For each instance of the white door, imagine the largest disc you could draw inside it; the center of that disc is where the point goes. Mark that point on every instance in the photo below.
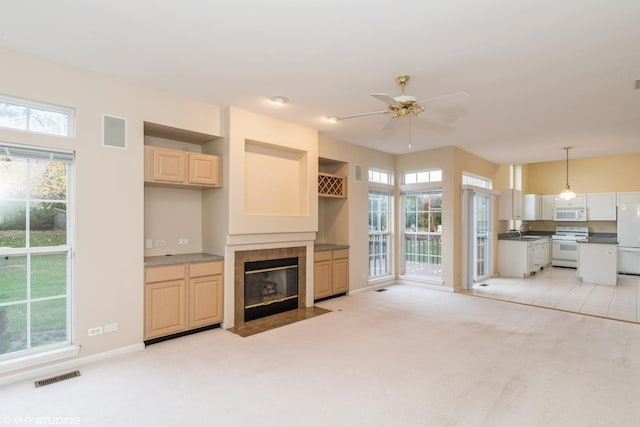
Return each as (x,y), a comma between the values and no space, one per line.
(477,237)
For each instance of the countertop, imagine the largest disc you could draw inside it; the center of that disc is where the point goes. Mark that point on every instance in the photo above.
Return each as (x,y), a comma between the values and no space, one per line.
(321,247)
(600,240)
(526,237)
(150,261)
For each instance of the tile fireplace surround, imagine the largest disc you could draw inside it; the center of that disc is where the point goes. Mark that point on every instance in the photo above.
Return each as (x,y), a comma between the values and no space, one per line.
(267,254)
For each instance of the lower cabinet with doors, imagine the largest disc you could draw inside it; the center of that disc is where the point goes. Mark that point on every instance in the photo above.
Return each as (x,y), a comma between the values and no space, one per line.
(331,273)
(180,298)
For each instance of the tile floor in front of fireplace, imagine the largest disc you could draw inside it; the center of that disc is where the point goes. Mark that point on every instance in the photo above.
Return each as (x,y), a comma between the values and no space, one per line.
(560,289)
(277,320)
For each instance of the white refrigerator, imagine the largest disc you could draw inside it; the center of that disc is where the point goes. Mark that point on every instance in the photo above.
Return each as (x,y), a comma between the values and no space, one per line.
(629,239)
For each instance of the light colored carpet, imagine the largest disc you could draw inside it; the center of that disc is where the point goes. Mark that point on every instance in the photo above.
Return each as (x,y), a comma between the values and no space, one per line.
(406,357)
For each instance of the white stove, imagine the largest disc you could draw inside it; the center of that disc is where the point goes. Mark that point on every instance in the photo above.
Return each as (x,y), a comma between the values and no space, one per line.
(564,248)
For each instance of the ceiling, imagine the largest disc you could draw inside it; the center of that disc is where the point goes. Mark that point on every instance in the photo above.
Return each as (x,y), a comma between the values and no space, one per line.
(541,74)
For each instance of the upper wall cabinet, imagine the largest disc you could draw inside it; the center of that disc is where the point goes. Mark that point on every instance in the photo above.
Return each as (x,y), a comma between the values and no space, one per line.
(629,198)
(175,168)
(510,204)
(601,206)
(330,185)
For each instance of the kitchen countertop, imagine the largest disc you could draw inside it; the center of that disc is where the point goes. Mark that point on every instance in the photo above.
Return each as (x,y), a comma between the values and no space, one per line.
(321,247)
(150,261)
(526,237)
(599,240)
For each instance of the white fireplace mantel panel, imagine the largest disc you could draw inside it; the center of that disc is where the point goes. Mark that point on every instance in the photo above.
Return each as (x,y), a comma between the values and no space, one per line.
(270,160)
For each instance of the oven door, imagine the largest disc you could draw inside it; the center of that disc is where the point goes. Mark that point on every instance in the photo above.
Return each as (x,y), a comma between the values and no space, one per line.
(564,253)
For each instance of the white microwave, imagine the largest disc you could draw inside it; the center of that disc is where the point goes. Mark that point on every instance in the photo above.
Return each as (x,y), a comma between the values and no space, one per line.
(570,214)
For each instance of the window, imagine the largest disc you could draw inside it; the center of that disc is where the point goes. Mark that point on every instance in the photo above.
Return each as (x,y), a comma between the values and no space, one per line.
(380,202)
(476,180)
(420,177)
(422,234)
(380,176)
(35,250)
(36,117)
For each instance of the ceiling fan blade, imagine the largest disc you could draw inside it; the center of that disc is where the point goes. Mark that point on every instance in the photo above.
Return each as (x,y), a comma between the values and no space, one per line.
(438,116)
(361,115)
(389,125)
(451,97)
(384,98)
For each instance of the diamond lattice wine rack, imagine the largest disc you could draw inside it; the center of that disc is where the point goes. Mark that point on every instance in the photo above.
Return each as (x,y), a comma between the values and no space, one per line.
(330,185)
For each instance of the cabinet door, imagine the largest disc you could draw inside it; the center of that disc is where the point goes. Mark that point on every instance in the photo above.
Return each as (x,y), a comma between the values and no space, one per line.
(203,169)
(546,208)
(169,165)
(531,207)
(322,279)
(510,204)
(629,198)
(340,275)
(205,301)
(601,206)
(165,308)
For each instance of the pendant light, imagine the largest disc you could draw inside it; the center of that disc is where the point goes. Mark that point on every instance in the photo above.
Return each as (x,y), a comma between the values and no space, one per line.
(567,193)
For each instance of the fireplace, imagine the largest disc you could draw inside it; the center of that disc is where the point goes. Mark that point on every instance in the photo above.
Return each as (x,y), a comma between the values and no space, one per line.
(270,287)
(269,281)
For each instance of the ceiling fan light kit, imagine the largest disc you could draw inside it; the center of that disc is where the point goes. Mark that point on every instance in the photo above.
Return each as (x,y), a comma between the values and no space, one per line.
(279,100)
(405,105)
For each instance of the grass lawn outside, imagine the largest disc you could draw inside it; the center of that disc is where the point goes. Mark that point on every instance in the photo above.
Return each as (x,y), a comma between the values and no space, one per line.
(48,309)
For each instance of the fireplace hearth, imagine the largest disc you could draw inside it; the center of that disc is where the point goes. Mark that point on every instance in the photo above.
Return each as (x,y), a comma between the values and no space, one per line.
(270,287)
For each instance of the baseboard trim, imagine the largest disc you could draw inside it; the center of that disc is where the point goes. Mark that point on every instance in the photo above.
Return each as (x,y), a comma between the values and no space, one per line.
(56,368)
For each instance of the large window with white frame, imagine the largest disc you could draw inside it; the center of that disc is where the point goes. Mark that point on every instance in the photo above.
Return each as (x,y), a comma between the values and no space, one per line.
(380,243)
(422,176)
(380,176)
(422,234)
(35,250)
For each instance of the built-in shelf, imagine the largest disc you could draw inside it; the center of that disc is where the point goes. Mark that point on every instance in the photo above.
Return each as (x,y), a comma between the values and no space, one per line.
(330,185)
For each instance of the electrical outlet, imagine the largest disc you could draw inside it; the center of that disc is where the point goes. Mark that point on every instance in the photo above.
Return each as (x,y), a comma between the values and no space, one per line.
(95,331)
(183,241)
(160,243)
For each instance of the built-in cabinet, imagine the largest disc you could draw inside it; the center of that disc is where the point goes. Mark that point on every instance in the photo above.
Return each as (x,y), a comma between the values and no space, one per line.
(182,297)
(629,198)
(516,258)
(578,202)
(601,206)
(330,185)
(180,168)
(510,204)
(331,273)
(531,207)
(541,253)
(546,207)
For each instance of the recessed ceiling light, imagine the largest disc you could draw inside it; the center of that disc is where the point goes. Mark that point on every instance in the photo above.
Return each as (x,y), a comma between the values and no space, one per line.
(279,100)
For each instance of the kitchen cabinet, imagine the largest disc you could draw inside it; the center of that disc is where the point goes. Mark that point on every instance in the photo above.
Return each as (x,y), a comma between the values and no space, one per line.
(516,258)
(629,198)
(601,206)
(331,273)
(546,207)
(598,263)
(541,253)
(182,297)
(510,204)
(531,207)
(578,202)
(168,167)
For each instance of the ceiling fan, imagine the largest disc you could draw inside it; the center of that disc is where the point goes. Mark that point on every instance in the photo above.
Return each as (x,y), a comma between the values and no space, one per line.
(407,105)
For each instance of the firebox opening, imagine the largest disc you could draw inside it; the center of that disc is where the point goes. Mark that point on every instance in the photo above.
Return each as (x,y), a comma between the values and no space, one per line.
(270,287)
